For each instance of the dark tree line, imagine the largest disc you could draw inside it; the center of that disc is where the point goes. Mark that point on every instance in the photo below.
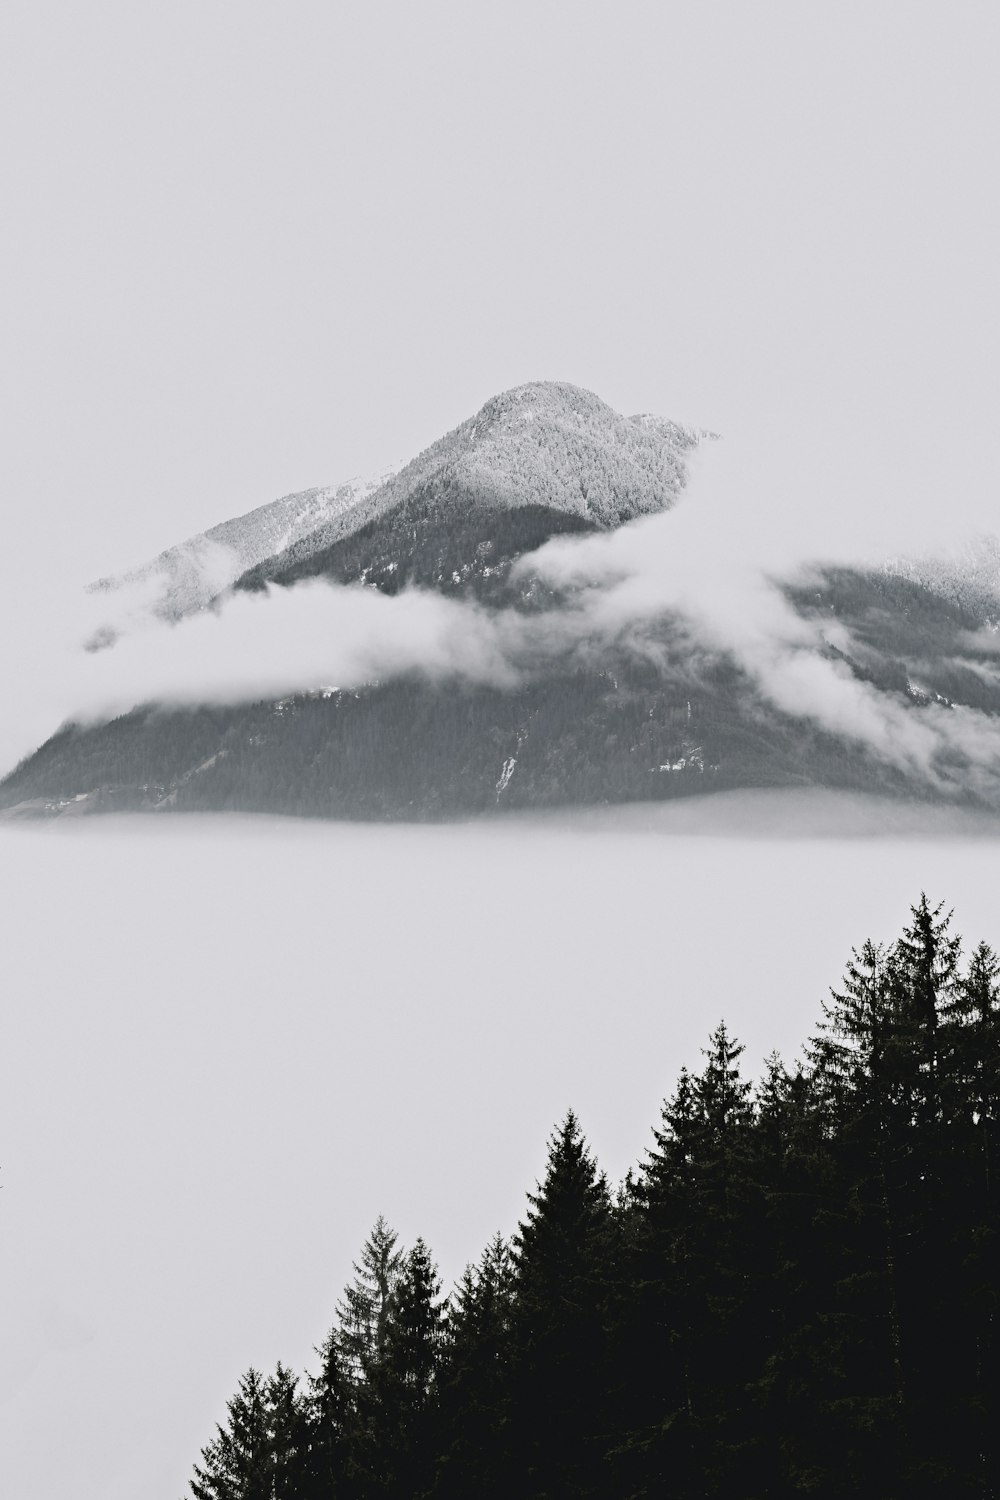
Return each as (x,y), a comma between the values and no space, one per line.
(795,1294)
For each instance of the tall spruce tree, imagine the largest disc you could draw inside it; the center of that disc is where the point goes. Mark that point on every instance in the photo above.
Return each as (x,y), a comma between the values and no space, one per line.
(260,1453)
(354,1366)
(964,1233)
(476,1381)
(363,1311)
(330,1412)
(697,1264)
(798,1382)
(974,1064)
(557,1422)
(862,1073)
(290,1435)
(925,971)
(405,1418)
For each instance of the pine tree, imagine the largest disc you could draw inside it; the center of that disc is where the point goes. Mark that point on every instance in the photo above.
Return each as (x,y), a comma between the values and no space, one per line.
(330,1416)
(236,1463)
(847,1054)
(973,1040)
(651,1302)
(415,1329)
(260,1452)
(965,1234)
(925,971)
(559,1344)
(363,1312)
(862,1074)
(347,1398)
(801,1244)
(289,1436)
(698,1244)
(476,1381)
(405,1418)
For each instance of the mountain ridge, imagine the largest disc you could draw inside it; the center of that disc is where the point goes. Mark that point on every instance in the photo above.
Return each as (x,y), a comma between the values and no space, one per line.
(544,445)
(190,574)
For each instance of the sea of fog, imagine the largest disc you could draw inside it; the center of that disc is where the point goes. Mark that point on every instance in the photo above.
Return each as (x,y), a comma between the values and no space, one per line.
(229,1044)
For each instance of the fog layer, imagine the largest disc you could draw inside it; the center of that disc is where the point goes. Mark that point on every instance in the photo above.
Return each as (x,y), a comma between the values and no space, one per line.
(231,1044)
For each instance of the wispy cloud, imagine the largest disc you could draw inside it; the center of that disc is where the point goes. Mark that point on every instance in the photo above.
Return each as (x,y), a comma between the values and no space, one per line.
(718,563)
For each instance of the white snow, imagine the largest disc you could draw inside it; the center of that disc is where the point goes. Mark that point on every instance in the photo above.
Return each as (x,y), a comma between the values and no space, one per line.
(505,775)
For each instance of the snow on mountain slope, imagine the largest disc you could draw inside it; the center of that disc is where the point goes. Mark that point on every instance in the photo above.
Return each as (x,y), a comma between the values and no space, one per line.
(185,577)
(968,577)
(546,444)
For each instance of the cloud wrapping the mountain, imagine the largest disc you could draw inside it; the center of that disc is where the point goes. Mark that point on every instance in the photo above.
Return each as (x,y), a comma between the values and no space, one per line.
(285,641)
(719,565)
(712,564)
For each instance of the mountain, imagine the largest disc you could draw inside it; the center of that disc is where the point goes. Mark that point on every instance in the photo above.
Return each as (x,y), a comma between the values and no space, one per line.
(534,461)
(540,460)
(624,721)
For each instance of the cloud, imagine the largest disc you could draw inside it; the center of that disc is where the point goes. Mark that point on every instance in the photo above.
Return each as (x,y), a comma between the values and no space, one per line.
(719,561)
(282,641)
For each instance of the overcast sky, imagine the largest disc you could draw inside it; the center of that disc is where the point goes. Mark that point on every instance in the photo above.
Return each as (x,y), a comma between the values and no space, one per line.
(251,248)
(254,247)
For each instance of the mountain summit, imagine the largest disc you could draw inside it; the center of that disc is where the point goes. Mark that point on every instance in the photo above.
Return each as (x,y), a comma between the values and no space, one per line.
(537,460)
(557,454)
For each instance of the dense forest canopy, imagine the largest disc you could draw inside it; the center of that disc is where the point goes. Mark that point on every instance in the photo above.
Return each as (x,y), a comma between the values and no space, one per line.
(794,1293)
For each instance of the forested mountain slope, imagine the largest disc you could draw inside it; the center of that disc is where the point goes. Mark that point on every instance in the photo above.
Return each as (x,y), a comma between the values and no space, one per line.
(548,447)
(621,727)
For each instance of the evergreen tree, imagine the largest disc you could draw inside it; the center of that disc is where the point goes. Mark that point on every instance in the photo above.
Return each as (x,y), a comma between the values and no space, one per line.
(847,1054)
(330,1415)
(363,1312)
(801,1241)
(974,1063)
(415,1330)
(970,1225)
(404,1420)
(925,972)
(289,1436)
(350,1393)
(260,1452)
(476,1380)
(863,1073)
(559,1343)
(696,1271)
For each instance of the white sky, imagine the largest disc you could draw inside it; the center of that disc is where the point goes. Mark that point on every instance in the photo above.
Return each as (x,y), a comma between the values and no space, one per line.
(254,247)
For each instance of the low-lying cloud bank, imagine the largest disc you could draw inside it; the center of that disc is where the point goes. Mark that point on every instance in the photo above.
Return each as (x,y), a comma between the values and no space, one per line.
(711,564)
(293,640)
